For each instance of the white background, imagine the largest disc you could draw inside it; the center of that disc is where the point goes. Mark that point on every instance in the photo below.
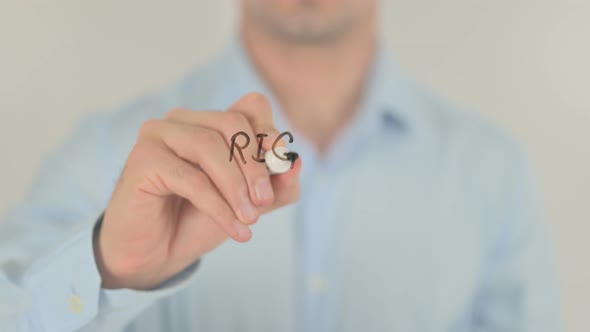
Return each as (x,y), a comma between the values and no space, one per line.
(524,63)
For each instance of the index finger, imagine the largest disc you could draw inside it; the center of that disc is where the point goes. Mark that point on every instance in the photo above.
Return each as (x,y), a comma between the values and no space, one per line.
(258,110)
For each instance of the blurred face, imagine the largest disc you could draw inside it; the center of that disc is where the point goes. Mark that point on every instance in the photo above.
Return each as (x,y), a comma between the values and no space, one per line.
(309,21)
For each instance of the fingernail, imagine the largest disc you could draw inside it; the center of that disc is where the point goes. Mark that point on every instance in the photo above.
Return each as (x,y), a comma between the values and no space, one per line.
(248,210)
(242,230)
(263,190)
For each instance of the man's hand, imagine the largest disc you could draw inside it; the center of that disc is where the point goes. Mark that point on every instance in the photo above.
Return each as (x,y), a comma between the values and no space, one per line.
(179,196)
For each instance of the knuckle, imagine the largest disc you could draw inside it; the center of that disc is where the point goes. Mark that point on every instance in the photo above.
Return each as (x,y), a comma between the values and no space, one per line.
(149,126)
(143,149)
(256,99)
(175,113)
(198,181)
(218,209)
(142,152)
(256,103)
(179,171)
(223,214)
(207,137)
(234,121)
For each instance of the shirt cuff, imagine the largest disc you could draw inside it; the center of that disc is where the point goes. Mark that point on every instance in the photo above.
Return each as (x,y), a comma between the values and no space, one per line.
(114,299)
(66,285)
(65,282)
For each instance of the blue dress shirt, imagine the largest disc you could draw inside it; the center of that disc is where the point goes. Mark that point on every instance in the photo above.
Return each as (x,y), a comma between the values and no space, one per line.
(420,218)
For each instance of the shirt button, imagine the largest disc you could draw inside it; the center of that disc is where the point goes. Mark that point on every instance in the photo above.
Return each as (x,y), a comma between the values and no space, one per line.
(76,304)
(318,284)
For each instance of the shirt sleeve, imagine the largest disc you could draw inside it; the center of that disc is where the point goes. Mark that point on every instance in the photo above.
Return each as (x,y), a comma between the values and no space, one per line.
(48,275)
(519,291)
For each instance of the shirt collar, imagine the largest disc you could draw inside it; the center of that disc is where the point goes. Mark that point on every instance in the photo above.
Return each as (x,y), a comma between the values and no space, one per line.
(386,101)
(388,93)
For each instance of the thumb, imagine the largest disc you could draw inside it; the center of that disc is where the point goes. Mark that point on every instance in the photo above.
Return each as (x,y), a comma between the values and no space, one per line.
(287,186)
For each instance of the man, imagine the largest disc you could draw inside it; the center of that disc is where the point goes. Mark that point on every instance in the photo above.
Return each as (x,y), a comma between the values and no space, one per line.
(409,215)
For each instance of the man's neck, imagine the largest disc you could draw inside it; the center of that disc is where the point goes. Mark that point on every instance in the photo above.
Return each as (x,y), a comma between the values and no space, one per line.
(319,86)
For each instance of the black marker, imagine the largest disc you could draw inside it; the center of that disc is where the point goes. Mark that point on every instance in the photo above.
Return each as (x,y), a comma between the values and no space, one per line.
(280,160)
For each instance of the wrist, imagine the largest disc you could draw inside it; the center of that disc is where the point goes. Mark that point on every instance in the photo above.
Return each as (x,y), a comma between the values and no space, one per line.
(107,280)
(116,276)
